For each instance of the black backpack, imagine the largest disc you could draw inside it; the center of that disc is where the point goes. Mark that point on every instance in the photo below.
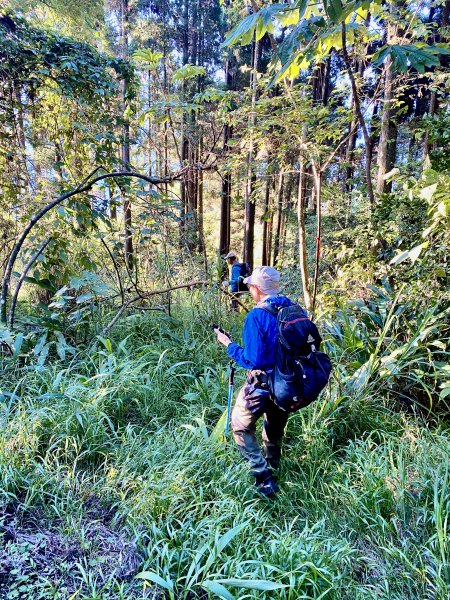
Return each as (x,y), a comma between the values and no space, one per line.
(301,371)
(245,271)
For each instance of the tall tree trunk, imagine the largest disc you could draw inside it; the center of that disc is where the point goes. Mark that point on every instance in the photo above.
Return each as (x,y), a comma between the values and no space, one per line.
(318,188)
(184,185)
(225,197)
(201,233)
(126,204)
(265,250)
(280,195)
(270,228)
(166,121)
(289,187)
(351,142)
(362,122)
(150,126)
(426,142)
(388,131)
(303,254)
(249,225)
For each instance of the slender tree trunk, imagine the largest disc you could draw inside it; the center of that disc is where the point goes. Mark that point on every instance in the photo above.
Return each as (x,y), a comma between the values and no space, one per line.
(351,142)
(286,214)
(21,133)
(201,233)
(166,122)
(270,228)
(186,201)
(362,122)
(326,81)
(225,198)
(126,204)
(318,187)
(426,142)
(310,192)
(388,131)
(249,225)
(280,194)
(349,153)
(303,254)
(265,253)
(149,125)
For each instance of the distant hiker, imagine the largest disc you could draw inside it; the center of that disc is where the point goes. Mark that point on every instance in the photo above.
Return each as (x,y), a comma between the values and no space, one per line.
(239,271)
(254,399)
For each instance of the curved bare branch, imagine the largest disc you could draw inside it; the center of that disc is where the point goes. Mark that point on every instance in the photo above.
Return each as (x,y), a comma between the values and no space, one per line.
(85,186)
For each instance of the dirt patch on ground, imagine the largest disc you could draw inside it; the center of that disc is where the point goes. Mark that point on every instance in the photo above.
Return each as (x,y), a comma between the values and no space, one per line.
(35,555)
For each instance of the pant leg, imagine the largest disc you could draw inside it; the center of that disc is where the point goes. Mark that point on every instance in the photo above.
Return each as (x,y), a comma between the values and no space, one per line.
(233,304)
(274,426)
(243,424)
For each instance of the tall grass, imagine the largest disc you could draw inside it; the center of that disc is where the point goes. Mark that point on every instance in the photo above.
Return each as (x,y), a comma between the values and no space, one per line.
(128,424)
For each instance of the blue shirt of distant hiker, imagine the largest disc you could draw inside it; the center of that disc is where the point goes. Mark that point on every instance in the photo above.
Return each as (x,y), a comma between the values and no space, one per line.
(259,337)
(234,278)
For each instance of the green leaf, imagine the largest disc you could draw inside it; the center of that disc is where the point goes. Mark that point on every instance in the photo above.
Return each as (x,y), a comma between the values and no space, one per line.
(155,578)
(253,584)
(149,56)
(84,297)
(187,72)
(217,589)
(40,344)
(445,392)
(442,209)
(400,258)
(415,252)
(227,537)
(289,17)
(18,343)
(428,192)
(243,31)
(42,283)
(416,56)
(43,354)
(412,254)
(334,10)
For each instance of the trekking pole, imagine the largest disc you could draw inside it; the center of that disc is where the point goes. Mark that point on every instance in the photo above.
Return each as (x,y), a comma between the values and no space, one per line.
(230,396)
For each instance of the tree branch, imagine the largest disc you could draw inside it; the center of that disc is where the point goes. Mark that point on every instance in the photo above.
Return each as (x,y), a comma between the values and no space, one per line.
(147,295)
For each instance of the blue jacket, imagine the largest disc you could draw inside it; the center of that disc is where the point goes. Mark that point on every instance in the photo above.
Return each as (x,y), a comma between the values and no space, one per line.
(235,274)
(259,337)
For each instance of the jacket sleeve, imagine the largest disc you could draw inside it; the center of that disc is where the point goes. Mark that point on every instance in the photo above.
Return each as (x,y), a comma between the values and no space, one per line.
(252,354)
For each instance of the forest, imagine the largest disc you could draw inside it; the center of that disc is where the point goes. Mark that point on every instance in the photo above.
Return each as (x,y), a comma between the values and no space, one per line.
(141,141)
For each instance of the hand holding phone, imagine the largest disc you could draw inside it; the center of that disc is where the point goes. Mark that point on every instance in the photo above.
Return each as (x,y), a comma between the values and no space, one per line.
(222,336)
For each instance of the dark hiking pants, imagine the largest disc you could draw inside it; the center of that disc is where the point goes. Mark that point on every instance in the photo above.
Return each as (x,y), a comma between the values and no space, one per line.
(254,401)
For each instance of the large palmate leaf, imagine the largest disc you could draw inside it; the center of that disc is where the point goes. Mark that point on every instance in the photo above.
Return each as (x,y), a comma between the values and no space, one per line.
(151,57)
(187,72)
(263,21)
(415,56)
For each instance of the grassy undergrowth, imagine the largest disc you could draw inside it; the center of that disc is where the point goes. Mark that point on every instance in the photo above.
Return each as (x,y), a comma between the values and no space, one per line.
(109,468)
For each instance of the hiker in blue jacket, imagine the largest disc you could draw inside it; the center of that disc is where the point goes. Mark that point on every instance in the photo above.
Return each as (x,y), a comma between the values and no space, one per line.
(239,270)
(257,355)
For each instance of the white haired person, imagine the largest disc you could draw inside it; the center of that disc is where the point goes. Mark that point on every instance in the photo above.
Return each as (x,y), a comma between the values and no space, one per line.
(254,400)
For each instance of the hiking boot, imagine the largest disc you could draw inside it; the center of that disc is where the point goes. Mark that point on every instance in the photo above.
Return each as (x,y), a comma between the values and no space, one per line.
(266,484)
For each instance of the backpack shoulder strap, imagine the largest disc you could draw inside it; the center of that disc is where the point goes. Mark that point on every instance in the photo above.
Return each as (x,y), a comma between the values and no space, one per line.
(269,308)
